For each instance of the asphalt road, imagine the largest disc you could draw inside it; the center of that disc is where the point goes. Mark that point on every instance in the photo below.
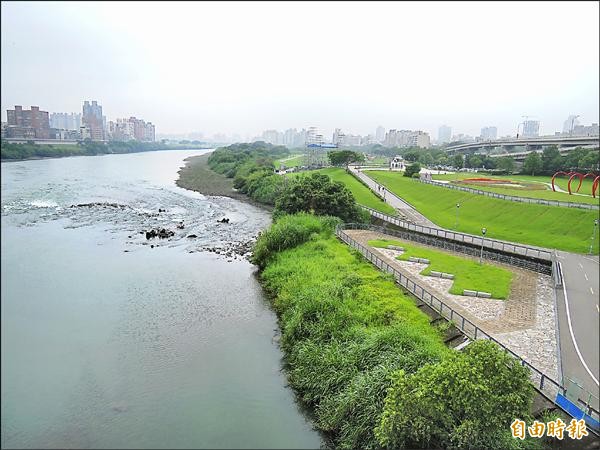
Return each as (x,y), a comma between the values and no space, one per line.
(579,346)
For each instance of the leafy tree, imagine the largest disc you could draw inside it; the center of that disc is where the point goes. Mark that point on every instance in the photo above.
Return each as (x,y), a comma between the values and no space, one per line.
(551,159)
(412,169)
(458,161)
(467,401)
(476,161)
(317,194)
(426,159)
(412,155)
(344,157)
(591,161)
(533,163)
(506,163)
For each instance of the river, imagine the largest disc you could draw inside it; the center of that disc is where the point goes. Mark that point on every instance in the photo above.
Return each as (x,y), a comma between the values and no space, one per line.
(110,343)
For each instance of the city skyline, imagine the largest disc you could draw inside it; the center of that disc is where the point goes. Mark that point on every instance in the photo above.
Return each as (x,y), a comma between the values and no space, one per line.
(189,81)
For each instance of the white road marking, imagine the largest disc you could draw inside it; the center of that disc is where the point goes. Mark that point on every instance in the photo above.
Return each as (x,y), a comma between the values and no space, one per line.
(592,259)
(592,291)
(580,265)
(572,334)
(598,309)
(585,275)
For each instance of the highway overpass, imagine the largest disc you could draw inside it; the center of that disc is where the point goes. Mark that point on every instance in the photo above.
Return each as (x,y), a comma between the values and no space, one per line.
(533,143)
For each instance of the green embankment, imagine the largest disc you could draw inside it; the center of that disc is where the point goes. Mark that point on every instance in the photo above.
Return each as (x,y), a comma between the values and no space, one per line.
(468,274)
(544,192)
(566,229)
(292,161)
(350,337)
(345,328)
(363,195)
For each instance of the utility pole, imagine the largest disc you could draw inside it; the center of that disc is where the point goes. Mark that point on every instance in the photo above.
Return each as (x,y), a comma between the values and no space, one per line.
(593,235)
(483,231)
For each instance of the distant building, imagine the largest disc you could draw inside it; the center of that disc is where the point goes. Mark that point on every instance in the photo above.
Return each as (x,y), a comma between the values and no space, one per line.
(65,121)
(582,130)
(407,138)
(22,123)
(489,133)
(131,129)
(93,120)
(531,128)
(338,137)
(380,134)
(444,134)
(570,124)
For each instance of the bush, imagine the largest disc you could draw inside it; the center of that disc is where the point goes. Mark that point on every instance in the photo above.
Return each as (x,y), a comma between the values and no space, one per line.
(317,194)
(288,232)
(467,401)
(414,168)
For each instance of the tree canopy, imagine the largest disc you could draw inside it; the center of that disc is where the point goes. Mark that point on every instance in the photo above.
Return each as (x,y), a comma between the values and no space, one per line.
(318,194)
(344,157)
(533,163)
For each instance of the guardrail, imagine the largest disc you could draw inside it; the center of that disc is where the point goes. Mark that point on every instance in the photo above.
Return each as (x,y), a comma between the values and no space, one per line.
(488,243)
(511,198)
(544,384)
(518,261)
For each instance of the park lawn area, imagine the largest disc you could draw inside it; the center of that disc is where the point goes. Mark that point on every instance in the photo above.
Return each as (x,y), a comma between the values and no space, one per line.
(363,195)
(546,194)
(566,229)
(291,161)
(468,274)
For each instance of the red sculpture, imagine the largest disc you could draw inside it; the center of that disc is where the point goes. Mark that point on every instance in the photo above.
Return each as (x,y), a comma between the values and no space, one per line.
(581,177)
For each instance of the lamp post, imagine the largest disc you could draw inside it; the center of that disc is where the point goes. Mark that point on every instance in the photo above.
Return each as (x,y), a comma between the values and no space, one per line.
(456,224)
(593,235)
(483,231)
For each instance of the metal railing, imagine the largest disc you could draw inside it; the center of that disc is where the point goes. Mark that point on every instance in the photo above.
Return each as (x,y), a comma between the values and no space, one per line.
(544,384)
(493,244)
(512,198)
(492,255)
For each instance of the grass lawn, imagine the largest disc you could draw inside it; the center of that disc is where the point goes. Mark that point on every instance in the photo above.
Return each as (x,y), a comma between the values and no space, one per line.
(363,195)
(290,161)
(545,226)
(468,274)
(546,193)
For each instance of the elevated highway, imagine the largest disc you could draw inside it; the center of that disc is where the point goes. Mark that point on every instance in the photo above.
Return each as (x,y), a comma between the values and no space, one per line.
(533,143)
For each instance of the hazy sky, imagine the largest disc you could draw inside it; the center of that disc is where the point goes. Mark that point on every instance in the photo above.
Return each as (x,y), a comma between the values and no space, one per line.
(245,67)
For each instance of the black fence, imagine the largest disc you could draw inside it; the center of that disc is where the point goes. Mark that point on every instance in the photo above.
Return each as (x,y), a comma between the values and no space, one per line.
(512,198)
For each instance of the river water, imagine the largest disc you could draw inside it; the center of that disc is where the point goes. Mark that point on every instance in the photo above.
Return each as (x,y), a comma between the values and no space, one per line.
(109,343)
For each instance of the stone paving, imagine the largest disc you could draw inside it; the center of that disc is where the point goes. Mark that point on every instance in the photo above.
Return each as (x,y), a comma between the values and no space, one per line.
(524,322)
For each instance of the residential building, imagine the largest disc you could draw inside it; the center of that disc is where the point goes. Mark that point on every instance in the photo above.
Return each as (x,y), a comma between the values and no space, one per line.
(582,130)
(531,128)
(407,138)
(444,134)
(93,120)
(22,123)
(65,121)
(489,133)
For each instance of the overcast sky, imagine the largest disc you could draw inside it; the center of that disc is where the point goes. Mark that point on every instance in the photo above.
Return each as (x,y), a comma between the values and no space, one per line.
(246,67)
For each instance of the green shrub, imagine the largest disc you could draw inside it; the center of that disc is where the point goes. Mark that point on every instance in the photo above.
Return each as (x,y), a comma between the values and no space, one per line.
(288,232)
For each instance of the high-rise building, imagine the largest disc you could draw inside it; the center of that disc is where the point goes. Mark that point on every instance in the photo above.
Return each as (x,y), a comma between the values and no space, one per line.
(582,130)
(489,133)
(131,129)
(444,134)
(65,121)
(22,123)
(531,128)
(93,120)
(570,124)
(338,137)
(407,138)
(380,134)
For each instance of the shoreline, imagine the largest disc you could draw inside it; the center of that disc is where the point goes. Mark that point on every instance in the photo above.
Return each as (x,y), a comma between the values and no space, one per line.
(197,176)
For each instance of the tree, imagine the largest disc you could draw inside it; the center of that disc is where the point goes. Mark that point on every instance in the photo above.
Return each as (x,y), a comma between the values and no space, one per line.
(591,161)
(458,161)
(466,401)
(344,157)
(317,194)
(426,159)
(411,155)
(506,163)
(533,163)
(412,169)
(476,161)
(551,159)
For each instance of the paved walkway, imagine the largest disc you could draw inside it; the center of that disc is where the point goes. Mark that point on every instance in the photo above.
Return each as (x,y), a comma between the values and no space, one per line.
(525,322)
(405,210)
